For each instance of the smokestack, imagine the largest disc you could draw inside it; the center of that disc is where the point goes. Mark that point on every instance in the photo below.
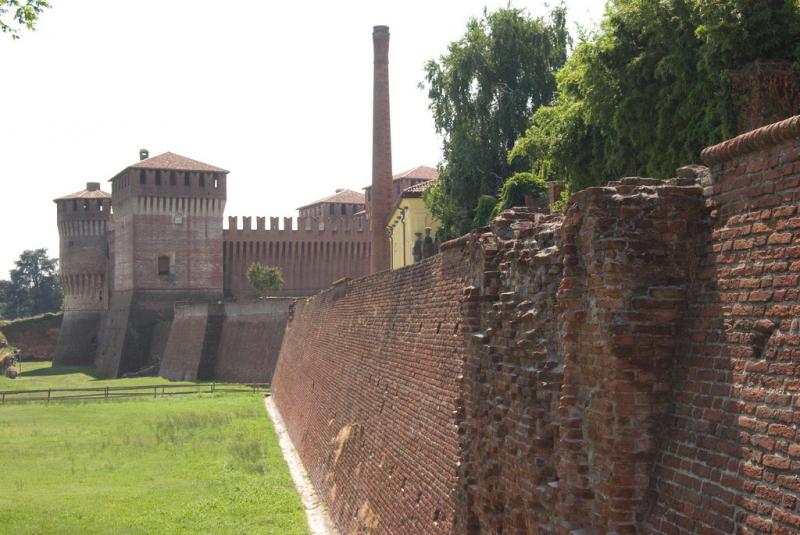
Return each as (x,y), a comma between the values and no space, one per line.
(381,152)
(144,154)
(92,186)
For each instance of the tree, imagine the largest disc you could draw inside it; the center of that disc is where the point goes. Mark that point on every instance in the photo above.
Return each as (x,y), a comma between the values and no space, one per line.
(653,87)
(17,14)
(482,94)
(34,287)
(264,279)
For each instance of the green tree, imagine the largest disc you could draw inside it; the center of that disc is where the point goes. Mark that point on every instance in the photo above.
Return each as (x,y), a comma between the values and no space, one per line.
(482,93)
(652,87)
(17,14)
(33,288)
(264,279)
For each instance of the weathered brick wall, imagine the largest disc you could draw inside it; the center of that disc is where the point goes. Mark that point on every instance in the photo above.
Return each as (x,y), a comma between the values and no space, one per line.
(34,337)
(367,382)
(251,339)
(731,451)
(184,350)
(310,259)
(234,342)
(628,368)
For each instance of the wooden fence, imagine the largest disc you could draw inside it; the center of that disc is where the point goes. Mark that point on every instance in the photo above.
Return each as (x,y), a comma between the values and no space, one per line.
(117,392)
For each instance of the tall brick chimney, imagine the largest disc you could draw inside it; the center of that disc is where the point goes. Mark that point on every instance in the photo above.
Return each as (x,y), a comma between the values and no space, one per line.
(381,200)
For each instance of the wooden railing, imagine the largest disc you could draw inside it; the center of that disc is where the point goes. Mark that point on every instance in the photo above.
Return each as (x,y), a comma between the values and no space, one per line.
(117,392)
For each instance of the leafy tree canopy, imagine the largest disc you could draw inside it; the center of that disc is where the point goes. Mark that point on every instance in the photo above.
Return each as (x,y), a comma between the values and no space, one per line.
(17,14)
(264,279)
(652,87)
(482,93)
(34,287)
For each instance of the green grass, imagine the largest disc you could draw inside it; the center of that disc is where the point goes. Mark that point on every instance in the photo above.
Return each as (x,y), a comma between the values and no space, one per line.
(43,375)
(189,464)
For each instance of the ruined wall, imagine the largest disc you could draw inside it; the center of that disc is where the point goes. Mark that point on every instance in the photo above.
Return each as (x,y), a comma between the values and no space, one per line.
(730,454)
(628,367)
(367,382)
(311,256)
(34,337)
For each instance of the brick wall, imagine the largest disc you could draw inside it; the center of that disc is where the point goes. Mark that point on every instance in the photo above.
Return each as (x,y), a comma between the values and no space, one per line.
(368,381)
(250,340)
(628,367)
(234,342)
(35,337)
(310,257)
(731,450)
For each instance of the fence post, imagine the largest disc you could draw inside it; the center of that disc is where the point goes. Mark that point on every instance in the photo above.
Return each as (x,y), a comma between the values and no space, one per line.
(4,397)
(48,395)
(213,387)
(155,392)
(106,393)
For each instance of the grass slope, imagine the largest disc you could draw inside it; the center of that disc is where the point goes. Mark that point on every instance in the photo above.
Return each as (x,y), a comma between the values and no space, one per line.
(194,464)
(43,375)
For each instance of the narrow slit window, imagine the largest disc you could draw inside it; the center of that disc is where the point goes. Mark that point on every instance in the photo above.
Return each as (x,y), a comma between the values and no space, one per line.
(158,178)
(142,176)
(202,180)
(173,180)
(187,179)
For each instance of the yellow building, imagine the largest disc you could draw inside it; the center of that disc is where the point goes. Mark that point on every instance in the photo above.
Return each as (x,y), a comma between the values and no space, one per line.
(409,226)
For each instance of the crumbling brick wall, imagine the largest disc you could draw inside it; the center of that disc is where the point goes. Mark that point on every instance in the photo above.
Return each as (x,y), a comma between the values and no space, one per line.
(368,382)
(628,368)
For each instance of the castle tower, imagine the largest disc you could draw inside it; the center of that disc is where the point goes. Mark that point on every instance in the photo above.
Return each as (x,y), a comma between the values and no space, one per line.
(167,250)
(381,190)
(83,221)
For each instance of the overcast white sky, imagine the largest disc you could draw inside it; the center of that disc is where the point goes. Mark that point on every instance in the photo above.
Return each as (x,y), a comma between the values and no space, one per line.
(278,93)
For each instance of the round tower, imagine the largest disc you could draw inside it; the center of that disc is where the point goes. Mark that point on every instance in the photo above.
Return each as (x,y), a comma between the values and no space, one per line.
(83,224)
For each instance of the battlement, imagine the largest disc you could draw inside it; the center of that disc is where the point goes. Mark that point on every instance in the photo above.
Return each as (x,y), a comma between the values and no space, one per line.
(168,183)
(304,225)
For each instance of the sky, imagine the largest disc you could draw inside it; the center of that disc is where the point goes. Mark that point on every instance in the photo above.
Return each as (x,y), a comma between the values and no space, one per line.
(278,93)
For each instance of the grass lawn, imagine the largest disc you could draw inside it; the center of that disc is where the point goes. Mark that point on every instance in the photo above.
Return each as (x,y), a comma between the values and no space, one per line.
(38,375)
(187,464)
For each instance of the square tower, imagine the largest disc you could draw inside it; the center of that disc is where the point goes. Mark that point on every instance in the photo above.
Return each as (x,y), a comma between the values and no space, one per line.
(167,249)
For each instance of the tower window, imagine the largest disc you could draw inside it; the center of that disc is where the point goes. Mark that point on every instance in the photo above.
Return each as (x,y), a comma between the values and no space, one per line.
(187,178)
(142,176)
(202,180)
(172,178)
(344,208)
(330,209)
(158,177)
(216,180)
(163,265)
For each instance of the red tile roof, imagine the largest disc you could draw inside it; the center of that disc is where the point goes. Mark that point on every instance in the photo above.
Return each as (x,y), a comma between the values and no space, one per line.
(421,171)
(85,194)
(346,196)
(175,162)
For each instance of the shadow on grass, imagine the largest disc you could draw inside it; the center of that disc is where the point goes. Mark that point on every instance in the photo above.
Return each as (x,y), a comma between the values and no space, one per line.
(61,370)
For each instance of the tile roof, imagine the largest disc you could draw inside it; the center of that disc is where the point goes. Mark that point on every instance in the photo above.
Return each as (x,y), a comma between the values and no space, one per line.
(418,189)
(175,162)
(347,196)
(421,171)
(85,194)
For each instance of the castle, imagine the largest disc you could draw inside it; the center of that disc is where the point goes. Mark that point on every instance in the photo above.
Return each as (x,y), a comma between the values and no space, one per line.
(164,243)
